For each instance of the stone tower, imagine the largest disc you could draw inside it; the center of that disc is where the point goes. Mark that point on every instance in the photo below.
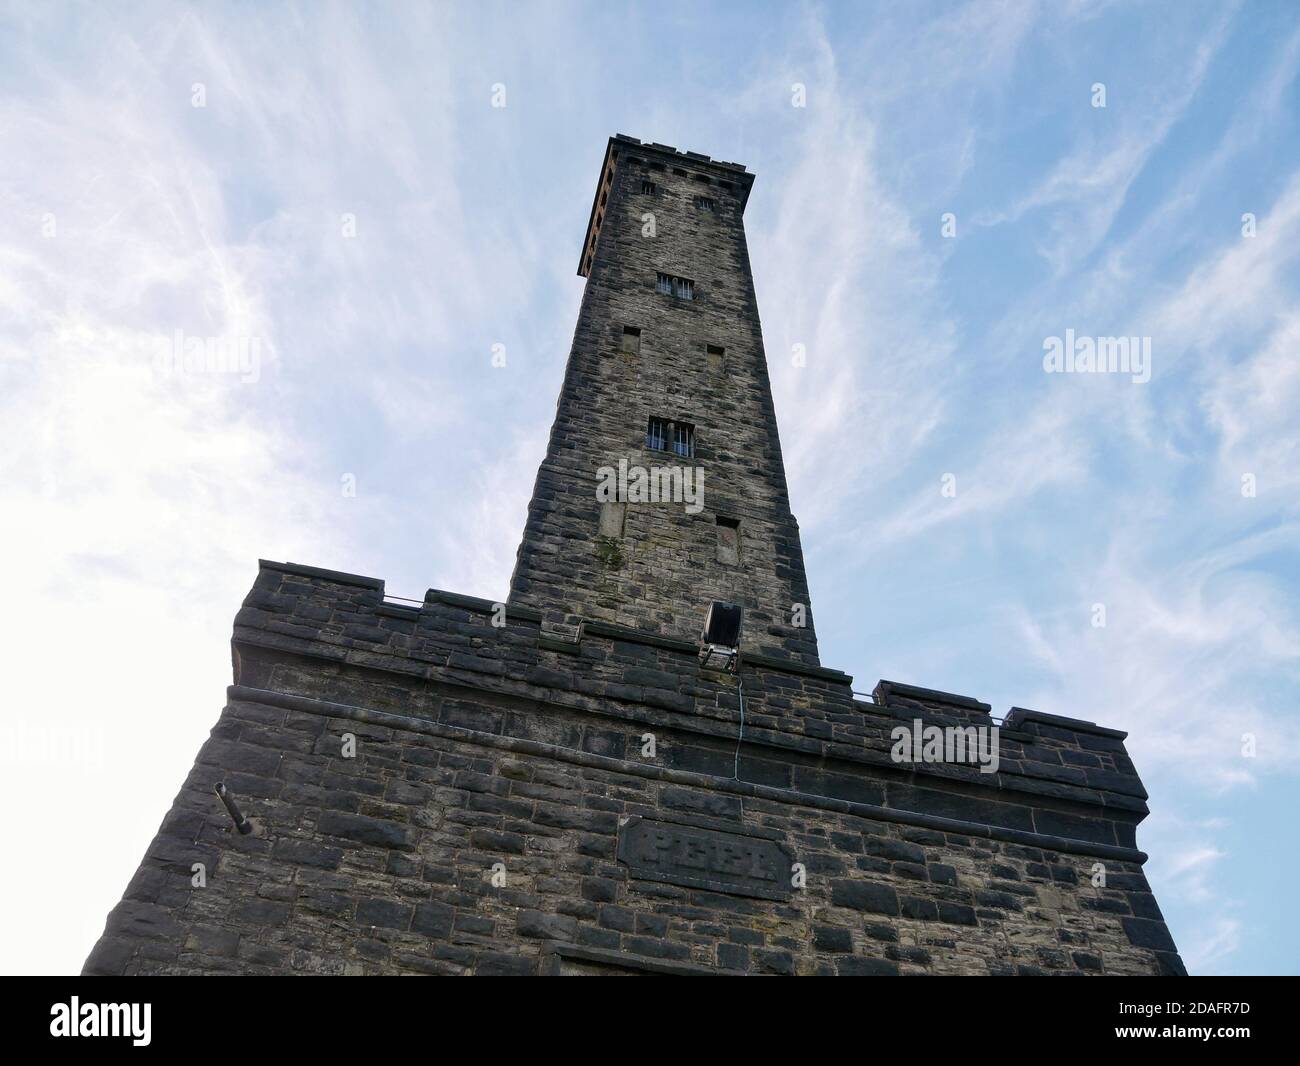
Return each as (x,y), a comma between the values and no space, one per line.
(557,784)
(667,370)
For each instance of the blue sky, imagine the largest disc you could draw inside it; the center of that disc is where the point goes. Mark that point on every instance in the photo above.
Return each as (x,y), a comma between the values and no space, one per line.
(136,501)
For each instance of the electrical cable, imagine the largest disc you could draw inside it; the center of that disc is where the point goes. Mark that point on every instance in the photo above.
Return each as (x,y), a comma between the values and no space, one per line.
(740,691)
(740,737)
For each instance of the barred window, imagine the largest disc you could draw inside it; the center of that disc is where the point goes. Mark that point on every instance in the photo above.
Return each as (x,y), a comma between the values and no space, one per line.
(666,435)
(705,204)
(684,439)
(683,288)
(648,188)
(656,434)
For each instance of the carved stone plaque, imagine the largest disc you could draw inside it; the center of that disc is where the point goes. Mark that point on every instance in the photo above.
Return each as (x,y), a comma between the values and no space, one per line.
(705,858)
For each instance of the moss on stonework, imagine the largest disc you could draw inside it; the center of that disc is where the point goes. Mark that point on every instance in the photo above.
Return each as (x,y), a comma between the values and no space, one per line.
(609,552)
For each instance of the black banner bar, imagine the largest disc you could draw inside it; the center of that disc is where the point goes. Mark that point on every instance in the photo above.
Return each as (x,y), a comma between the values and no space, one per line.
(170,1014)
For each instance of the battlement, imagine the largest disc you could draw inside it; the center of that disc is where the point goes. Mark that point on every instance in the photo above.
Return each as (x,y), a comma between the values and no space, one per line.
(679,157)
(1067,782)
(731,177)
(616,781)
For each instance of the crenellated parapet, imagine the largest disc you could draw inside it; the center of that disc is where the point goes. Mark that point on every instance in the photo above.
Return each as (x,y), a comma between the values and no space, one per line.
(395,759)
(1065,781)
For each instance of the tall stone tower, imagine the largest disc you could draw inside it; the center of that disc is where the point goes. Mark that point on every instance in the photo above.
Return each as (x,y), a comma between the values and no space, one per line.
(559,783)
(667,369)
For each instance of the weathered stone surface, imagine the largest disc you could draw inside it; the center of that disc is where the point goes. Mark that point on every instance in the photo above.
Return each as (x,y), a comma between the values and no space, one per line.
(364,830)
(705,858)
(560,788)
(700,361)
(864,896)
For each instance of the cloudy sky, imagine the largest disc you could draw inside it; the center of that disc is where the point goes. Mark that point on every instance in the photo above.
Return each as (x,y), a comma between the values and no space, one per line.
(329,192)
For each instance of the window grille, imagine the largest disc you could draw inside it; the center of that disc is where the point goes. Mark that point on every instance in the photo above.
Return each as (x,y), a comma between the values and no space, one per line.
(684,439)
(665,435)
(656,435)
(682,288)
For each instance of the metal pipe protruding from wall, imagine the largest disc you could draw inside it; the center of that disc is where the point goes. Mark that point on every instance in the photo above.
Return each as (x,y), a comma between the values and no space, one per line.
(241,823)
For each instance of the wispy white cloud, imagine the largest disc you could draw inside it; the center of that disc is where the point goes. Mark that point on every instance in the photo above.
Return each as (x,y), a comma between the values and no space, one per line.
(1086,189)
(1014,464)
(139,499)
(855,332)
(1171,658)
(1212,945)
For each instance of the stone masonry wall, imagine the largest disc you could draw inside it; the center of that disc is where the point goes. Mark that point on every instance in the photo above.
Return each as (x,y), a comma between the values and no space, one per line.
(383,864)
(468,758)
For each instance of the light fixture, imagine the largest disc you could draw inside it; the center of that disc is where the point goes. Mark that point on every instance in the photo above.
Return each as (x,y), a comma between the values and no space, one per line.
(720,638)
